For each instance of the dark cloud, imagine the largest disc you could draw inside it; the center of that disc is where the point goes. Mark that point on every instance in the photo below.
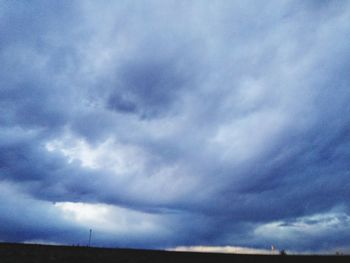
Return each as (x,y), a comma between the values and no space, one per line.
(148,88)
(175,122)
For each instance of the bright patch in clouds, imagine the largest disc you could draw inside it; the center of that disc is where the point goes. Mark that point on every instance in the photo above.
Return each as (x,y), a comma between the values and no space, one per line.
(108,218)
(108,155)
(224,249)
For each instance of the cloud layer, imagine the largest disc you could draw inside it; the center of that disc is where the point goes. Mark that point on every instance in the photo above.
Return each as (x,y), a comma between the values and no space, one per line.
(179,124)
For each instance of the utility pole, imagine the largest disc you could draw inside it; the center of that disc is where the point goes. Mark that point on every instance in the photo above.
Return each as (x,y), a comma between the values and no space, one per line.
(90,238)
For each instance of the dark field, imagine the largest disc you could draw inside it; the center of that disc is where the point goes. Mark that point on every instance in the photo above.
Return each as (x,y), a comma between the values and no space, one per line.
(43,253)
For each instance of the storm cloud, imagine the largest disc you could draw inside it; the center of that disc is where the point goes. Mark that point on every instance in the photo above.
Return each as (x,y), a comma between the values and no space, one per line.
(163,124)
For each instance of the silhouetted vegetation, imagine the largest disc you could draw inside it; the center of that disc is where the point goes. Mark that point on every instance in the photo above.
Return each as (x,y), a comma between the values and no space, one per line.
(283,252)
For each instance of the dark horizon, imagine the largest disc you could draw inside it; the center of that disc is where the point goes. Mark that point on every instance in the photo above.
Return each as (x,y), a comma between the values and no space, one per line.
(28,246)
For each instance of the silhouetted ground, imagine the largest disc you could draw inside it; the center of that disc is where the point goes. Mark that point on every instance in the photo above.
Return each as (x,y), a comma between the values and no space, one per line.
(23,253)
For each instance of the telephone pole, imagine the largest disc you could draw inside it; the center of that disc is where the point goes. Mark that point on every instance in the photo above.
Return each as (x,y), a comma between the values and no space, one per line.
(90,238)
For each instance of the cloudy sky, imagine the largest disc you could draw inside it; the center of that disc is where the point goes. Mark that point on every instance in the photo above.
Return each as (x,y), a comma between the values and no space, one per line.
(163,124)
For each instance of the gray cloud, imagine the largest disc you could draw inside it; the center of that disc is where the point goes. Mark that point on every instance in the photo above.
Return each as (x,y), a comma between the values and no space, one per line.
(216,124)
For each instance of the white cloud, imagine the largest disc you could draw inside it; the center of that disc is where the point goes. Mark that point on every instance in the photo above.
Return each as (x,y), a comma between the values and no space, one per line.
(107,155)
(143,175)
(109,218)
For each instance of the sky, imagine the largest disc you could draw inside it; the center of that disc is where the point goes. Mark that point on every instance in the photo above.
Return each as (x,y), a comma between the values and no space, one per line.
(176,124)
